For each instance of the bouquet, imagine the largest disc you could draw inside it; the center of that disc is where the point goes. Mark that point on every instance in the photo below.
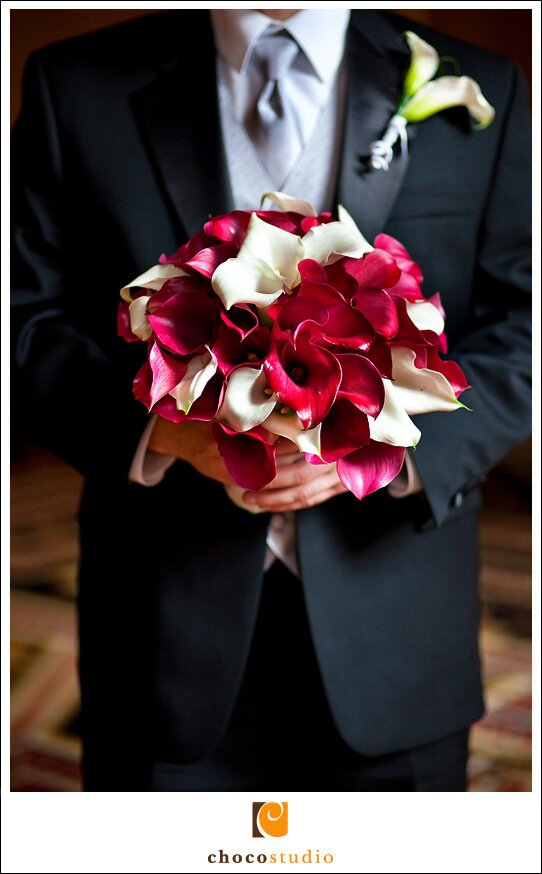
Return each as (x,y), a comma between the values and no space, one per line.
(285,323)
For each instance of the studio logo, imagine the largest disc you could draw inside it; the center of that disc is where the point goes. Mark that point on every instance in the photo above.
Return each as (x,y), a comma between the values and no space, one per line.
(269,819)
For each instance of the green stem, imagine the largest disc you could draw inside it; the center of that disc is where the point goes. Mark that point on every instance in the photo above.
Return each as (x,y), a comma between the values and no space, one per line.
(401,105)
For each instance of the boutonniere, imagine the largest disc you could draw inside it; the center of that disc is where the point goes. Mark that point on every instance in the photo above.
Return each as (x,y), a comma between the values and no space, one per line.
(424,96)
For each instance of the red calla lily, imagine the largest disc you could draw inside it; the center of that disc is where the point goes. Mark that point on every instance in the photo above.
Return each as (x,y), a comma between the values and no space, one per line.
(344,430)
(361,383)
(407,288)
(142,384)
(371,468)
(378,269)
(396,249)
(431,359)
(167,372)
(315,285)
(311,221)
(241,318)
(407,333)
(188,250)
(231,350)
(379,309)
(206,261)
(183,315)
(249,457)
(124,329)
(380,355)
(305,378)
(204,409)
(232,226)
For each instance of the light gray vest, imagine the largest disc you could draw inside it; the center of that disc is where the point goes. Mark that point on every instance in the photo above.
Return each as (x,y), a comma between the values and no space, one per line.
(314,175)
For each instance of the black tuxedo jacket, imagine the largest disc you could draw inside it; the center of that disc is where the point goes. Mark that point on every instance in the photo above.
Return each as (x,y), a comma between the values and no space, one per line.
(117,157)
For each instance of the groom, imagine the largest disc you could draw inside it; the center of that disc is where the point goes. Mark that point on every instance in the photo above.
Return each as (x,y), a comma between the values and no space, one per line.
(352,662)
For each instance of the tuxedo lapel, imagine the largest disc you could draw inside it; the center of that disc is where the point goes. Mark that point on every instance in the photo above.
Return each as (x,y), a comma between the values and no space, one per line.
(377,58)
(178,118)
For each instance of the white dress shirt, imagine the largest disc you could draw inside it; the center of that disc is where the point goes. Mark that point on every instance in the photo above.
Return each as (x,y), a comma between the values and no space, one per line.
(321,35)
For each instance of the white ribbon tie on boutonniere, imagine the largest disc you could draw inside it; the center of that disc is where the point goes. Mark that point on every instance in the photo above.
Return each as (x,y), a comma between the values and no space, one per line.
(424,96)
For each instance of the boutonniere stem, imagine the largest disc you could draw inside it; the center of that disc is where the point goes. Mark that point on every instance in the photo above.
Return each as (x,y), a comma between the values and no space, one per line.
(382,150)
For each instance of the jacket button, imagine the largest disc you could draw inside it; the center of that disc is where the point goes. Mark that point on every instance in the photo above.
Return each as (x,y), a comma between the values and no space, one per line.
(457,499)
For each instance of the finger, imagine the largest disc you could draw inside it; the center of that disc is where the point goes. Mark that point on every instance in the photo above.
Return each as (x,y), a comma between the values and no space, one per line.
(285,446)
(269,499)
(295,474)
(316,499)
(289,458)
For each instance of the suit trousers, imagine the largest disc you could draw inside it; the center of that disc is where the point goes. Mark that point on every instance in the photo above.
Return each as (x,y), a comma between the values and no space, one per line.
(281,734)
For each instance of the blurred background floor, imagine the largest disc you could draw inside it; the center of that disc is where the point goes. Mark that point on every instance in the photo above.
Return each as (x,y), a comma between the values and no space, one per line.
(45,744)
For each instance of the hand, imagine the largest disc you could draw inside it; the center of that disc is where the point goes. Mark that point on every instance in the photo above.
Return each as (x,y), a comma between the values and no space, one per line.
(297,485)
(192,442)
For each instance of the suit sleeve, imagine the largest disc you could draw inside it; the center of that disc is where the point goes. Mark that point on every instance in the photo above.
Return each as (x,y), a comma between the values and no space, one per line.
(68,395)
(458,449)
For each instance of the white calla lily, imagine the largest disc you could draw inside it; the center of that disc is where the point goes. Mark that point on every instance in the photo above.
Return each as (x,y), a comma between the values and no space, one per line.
(201,368)
(346,219)
(246,280)
(265,266)
(139,322)
(423,96)
(279,249)
(393,425)
(329,242)
(290,204)
(246,404)
(153,278)
(445,92)
(425,316)
(267,262)
(423,64)
(419,389)
(290,426)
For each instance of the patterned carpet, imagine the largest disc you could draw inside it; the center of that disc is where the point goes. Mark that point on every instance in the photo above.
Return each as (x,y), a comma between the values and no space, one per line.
(45,744)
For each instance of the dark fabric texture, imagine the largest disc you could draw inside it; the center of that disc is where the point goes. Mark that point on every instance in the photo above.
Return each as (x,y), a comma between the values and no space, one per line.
(117,157)
(282,735)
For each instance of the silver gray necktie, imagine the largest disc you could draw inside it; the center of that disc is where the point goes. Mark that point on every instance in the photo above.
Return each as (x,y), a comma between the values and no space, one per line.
(271,123)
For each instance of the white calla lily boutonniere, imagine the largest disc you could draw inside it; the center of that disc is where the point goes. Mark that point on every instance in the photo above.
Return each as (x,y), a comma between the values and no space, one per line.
(423,96)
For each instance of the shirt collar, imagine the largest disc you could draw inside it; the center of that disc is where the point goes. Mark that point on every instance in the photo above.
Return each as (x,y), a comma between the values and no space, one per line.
(319,32)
